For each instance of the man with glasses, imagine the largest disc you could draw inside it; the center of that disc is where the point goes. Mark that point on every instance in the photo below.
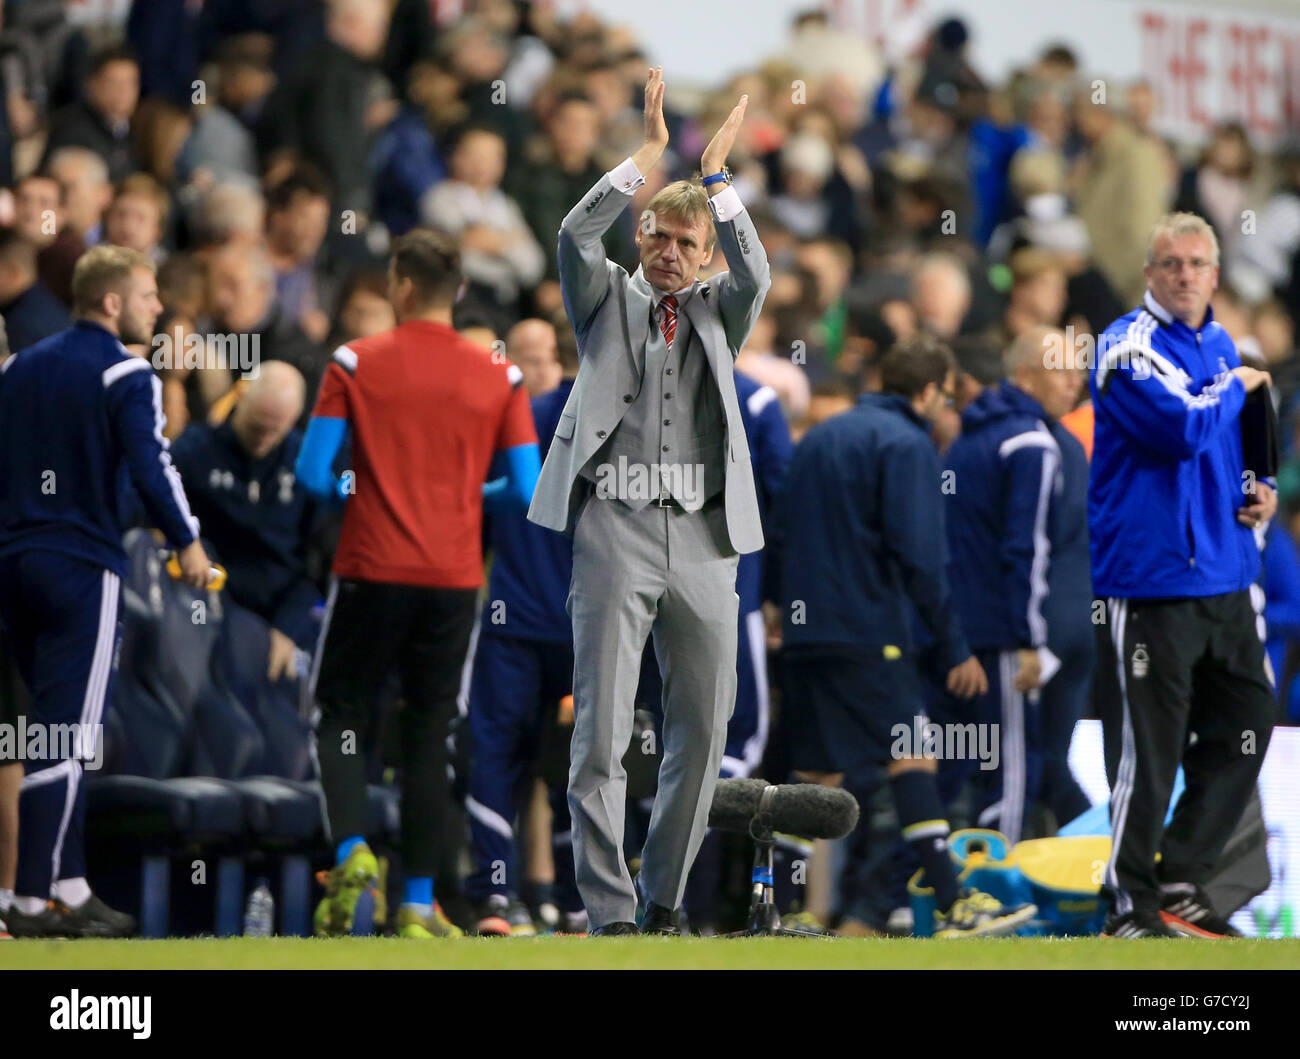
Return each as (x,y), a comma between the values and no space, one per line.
(1172,511)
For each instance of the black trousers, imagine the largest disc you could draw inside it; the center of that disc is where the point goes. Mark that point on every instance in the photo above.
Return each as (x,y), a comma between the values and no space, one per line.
(1179,681)
(372,627)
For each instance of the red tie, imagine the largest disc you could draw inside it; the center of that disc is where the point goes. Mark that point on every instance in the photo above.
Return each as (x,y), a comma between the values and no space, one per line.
(668,323)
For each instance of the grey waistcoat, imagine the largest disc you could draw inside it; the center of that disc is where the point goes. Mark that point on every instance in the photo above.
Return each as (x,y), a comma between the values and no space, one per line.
(675,421)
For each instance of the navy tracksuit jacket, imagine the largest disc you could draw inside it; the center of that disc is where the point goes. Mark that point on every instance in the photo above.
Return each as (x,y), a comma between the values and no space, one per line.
(74,409)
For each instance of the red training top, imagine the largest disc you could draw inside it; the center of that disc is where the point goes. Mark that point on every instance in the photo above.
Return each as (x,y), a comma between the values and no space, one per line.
(427,410)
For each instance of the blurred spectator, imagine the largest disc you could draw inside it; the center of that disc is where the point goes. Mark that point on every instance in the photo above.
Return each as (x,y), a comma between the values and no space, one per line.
(1120,191)
(221,142)
(1046,220)
(532,347)
(83,179)
(240,482)
(331,107)
(1038,292)
(500,255)
(1217,187)
(297,220)
(557,172)
(1265,258)
(137,216)
(941,294)
(102,121)
(363,308)
(29,310)
(241,300)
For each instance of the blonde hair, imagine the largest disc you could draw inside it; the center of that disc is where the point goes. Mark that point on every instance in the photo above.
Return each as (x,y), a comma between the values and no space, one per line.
(104,270)
(686,201)
(1037,173)
(1174,225)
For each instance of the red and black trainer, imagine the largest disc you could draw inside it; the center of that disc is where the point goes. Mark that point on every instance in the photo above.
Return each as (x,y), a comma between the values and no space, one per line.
(1187,911)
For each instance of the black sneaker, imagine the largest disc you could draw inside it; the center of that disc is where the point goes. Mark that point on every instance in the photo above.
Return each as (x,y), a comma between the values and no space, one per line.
(94,919)
(1137,925)
(47,923)
(1186,911)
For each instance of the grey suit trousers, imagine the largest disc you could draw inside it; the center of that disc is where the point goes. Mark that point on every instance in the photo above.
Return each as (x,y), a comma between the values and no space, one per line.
(672,573)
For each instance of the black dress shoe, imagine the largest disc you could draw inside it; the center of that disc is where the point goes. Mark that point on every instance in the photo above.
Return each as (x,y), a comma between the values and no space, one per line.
(614,930)
(660,920)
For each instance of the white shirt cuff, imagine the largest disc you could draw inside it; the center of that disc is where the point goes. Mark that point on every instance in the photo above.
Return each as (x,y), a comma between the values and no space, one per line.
(726,204)
(626,177)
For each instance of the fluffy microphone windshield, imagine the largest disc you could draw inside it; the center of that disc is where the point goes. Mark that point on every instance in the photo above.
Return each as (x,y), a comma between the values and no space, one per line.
(808,810)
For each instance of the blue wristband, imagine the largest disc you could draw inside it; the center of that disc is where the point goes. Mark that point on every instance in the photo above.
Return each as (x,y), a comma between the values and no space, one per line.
(715,178)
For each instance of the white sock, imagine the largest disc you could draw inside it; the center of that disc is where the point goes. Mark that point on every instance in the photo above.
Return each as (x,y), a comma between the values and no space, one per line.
(72,892)
(29,906)
(423,911)
(6,899)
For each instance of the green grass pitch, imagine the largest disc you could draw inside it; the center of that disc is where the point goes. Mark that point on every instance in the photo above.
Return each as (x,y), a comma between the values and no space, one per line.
(569,953)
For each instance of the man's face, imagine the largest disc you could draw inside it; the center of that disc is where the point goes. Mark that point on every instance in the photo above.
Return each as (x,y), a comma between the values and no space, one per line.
(299,229)
(1056,389)
(133,221)
(140,308)
(36,210)
(366,314)
(480,160)
(1182,276)
(85,196)
(575,128)
(532,347)
(115,90)
(935,398)
(239,296)
(260,425)
(674,252)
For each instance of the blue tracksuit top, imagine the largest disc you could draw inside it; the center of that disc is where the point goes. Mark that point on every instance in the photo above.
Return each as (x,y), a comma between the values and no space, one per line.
(74,408)
(1004,476)
(531,565)
(862,534)
(1167,469)
(770,449)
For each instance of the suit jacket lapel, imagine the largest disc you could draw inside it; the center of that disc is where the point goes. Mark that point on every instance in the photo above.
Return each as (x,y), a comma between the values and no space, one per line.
(697,311)
(640,298)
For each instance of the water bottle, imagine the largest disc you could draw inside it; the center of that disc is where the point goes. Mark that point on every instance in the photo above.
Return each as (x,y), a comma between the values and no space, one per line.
(259,916)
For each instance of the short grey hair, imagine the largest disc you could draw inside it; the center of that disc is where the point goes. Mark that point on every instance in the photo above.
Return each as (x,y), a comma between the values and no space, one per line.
(1029,349)
(1173,225)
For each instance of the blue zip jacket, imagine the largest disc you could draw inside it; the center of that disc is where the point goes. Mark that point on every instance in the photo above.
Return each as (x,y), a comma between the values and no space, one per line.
(770,449)
(73,409)
(531,566)
(1167,464)
(862,534)
(1004,473)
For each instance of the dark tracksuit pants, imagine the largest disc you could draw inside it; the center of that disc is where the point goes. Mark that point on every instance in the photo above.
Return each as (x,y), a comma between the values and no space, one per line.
(61,616)
(515,691)
(371,627)
(1179,681)
(1063,701)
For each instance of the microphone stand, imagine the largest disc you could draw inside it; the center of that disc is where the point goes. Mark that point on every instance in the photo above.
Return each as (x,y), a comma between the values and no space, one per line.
(764,917)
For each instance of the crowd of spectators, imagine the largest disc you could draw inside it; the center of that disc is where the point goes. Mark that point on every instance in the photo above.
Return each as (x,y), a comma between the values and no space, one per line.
(265,156)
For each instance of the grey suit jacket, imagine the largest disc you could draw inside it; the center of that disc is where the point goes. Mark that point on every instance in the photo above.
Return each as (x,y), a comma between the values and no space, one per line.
(610,312)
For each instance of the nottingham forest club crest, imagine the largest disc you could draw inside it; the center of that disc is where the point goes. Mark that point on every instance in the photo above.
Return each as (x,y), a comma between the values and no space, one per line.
(1141,661)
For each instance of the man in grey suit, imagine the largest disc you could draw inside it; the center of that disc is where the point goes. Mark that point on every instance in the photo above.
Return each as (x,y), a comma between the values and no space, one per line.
(649,471)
